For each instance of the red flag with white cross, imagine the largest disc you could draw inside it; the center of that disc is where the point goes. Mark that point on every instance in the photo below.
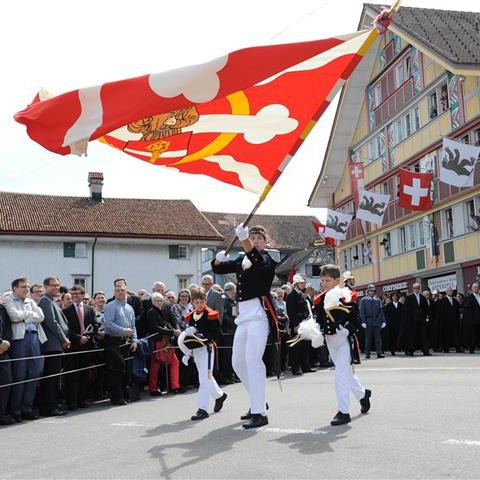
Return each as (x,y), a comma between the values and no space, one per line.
(356,179)
(415,190)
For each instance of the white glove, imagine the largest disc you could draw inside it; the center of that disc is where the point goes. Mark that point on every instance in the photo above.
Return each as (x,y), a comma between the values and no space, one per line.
(343,331)
(221,257)
(185,360)
(364,325)
(241,232)
(384,325)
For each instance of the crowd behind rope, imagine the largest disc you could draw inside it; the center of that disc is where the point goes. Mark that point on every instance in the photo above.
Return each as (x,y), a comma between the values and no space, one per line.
(61,350)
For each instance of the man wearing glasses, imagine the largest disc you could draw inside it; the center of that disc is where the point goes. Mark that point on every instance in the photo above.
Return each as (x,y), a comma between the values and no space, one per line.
(27,335)
(36,292)
(56,329)
(214,299)
(416,318)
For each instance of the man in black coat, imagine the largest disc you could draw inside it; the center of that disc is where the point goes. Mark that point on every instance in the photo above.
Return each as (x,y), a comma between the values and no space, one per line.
(394,314)
(449,320)
(81,319)
(416,315)
(471,319)
(297,311)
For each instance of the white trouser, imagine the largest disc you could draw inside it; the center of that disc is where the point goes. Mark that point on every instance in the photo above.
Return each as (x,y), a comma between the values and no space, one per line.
(208,386)
(345,379)
(248,348)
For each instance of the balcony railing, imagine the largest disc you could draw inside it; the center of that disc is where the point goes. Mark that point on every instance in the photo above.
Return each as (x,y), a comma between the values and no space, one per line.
(394,102)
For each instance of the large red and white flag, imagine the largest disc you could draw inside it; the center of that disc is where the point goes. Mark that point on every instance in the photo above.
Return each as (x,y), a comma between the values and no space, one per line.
(321,229)
(415,190)
(239,118)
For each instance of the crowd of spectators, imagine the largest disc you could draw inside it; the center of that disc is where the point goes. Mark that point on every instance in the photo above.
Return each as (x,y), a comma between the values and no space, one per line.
(61,350)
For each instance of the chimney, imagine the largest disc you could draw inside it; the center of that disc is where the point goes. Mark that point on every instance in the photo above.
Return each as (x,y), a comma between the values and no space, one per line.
(95,183)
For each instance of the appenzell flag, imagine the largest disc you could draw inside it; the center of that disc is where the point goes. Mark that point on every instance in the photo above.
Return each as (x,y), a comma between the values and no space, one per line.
(238,118)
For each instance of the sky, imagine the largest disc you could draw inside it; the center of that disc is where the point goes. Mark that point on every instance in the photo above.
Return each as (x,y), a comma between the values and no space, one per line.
(62,46)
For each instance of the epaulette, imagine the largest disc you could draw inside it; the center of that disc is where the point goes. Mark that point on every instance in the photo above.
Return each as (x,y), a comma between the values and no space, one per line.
(212,314)
(318,298)
(188,316)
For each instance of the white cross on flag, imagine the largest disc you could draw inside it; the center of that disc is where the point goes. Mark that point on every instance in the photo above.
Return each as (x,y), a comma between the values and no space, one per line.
(415,190)
(372,206)
(356,179)
(457,163)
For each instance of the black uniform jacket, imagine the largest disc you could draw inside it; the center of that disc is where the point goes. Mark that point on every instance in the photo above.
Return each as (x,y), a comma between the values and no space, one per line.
(208,324)
(254,282)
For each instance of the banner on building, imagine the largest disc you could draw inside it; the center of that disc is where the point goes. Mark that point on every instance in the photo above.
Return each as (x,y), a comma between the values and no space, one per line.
(337,224)
(457,163)
(372,206)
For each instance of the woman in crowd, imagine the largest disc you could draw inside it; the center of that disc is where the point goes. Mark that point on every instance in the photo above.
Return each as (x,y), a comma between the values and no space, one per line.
(163,346)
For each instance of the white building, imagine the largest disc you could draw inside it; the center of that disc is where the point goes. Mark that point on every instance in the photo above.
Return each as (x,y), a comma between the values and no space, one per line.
(91,241)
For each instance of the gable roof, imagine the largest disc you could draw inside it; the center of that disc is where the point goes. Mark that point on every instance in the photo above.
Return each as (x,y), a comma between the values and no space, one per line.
(450,37)
(30,214)
(285,232)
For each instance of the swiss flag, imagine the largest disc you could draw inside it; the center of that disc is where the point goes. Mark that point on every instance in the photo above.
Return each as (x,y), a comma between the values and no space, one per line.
(415,190)
(320,229)
(356,179)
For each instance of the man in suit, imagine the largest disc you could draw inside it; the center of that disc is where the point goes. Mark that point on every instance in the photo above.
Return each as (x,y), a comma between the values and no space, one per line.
(449,318)
(297,311)
(416,316)
(394,312)
(81,319)
(214,299)
(471,319)
(56,329)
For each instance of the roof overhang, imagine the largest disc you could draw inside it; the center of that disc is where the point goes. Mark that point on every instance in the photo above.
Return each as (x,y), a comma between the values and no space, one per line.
(344,125)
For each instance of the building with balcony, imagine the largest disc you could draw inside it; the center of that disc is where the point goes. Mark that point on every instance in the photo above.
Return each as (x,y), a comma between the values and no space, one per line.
(419,83)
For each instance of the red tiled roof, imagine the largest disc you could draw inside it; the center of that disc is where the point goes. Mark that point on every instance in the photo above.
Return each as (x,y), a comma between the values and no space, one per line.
(285,232)
(117,217)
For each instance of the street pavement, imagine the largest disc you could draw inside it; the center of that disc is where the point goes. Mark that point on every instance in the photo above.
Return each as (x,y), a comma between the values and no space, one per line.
(424,423)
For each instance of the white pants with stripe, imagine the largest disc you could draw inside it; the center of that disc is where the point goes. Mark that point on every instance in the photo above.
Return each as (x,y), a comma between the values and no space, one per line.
(208,386)
(345,379)
(248,348)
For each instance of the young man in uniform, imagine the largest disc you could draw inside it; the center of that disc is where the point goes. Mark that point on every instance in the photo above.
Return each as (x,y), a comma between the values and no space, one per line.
(338,324)
(255,272)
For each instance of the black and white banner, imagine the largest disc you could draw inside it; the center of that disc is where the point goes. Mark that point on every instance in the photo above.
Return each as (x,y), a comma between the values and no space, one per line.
(337,224)
(457,163)
(372,206)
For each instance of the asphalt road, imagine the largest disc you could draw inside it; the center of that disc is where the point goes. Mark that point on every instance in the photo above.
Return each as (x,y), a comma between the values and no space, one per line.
(424,423)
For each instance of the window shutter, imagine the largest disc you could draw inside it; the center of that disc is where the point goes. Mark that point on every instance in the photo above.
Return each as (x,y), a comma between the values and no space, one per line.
(173,252)
(69,249)
(449,252)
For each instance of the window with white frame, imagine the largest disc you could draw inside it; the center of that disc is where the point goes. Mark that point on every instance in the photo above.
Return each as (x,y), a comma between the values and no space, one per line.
(471,219)
(421,233)
(411,235)
(403,239)
(476,136)
(438,100)
(377,95)
(183,281)
(448,222)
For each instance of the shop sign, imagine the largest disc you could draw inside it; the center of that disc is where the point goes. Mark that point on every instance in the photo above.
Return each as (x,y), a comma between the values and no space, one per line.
(395,286)
(442,283)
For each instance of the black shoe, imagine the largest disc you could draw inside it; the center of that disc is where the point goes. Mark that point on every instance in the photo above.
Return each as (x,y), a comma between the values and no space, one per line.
(82,405)
(365,401)
(72,407)
(249,414)
(427,354)
(120,402)
(393,354)
(219,403)
(367,356)
(7,420)
(30,416)
(256,421)
(340,419)
(308,370)
(56,412)
(296,372)
(17,418)
(156,393)
(380,356)
(200,415)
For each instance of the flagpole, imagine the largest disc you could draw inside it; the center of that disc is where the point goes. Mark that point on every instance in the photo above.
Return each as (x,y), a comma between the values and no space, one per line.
(250,216)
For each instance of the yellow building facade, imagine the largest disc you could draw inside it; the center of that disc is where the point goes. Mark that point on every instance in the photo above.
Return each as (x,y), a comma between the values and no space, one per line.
(416,93)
